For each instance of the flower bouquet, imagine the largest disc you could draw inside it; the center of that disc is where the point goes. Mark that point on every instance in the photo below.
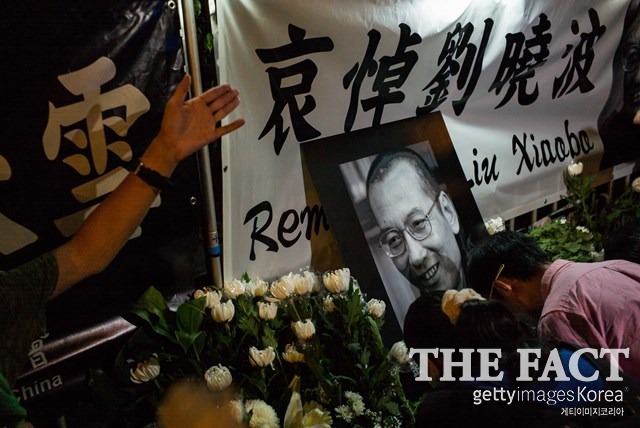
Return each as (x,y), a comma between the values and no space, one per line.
(305,350)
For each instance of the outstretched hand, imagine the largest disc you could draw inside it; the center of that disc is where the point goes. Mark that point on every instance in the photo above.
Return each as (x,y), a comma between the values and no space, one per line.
(189,125)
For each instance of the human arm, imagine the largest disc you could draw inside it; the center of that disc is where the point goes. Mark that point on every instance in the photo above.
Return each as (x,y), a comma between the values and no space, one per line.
(186,127)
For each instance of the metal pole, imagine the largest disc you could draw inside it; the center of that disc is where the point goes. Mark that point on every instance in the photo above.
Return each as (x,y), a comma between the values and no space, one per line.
(206,179)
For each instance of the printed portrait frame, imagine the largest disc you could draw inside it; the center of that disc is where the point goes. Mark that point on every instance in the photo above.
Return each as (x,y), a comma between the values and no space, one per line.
(336,167)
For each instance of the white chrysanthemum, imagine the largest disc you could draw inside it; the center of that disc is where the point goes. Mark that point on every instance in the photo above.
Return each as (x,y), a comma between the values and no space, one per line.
(291,354)
(452,301)
(635,185)
(301,285)
(223,312)
(316,417)
(267,310)
(212,297)
(329,304)
(234,288)
(237,410)
(283,287)
(337,281)
(304,330)
(262,415)
(376,308)
(261,357)
(399,352)
(146,370)
(357,403)
(582,229)
(316,283)
(574,168)
(344,412)
(494,225)
(218,378)
(257,288)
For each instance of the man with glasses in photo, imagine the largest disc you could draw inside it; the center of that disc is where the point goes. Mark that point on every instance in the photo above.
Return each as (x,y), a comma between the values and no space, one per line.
(419,226)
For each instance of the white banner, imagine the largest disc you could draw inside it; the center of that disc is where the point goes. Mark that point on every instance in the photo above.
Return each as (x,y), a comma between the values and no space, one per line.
(520,85)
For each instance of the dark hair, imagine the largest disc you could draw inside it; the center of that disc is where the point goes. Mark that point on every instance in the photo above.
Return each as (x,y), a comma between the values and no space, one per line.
(520,254)
(426,326)
(491,325)
(488,324)
(624,243)
(386,161)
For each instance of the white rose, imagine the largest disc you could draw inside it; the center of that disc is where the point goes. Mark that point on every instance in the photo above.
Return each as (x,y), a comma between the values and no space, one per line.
(218,378)
(223,312)
(257,288)
(399,352)
(574,168)
(262,415)
(146,370)
(304,330)
(635,185)
(261,357)
(233,289)
(291,354)
(376,308)
(283,287)
(267,310)
(337,281)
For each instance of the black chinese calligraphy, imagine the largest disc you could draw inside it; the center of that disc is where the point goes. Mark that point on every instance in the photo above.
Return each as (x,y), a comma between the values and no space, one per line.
(284,95)
(389,73)
(521,58)
(576,73)
(459,57)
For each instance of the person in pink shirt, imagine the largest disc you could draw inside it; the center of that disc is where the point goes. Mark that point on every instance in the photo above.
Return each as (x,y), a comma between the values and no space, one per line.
(591,305)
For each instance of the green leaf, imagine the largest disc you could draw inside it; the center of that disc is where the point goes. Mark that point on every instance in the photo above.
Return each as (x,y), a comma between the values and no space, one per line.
(160,328)
(197,7)
(11,409)
(354,347)
(208,42)
(153,301)
(152,308)
(190,314)
(187,339)
(199,342)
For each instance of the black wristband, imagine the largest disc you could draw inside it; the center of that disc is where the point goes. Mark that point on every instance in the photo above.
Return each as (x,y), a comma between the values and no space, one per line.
(151,177)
